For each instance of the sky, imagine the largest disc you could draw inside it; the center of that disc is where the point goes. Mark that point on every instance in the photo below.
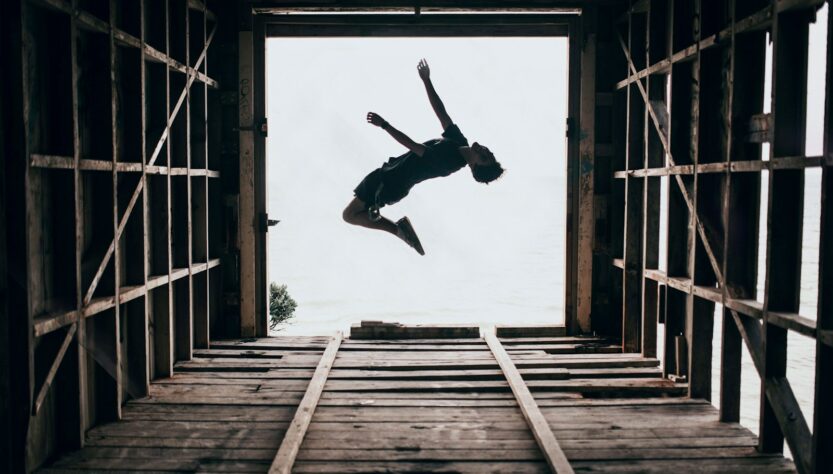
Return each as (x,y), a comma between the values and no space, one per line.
(493,253)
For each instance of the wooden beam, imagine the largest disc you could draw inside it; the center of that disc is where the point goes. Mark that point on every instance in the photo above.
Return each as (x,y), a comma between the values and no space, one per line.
(291,444)
(785,215)
(750,166)
(740,205)
(53,369)
(83,391)
(586,172)
(634,193)
(115,150)
(247,218)
(535,419)
(261,247)
(283,6)
(822,444)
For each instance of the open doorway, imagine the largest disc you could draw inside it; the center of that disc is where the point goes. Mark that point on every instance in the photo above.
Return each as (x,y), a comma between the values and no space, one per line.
(494,254)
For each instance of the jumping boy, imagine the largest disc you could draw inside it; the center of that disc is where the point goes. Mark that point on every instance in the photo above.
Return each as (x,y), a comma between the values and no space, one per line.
(432,159)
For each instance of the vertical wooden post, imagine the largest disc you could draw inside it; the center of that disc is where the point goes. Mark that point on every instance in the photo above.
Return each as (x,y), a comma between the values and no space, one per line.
(115,148)
(586,172)
(572,230)
(656,47)
(741,199)
(81,333)
(247,224)
(823,411)
(187,320)
(202,298)
(634,194)
(145,339)
(786,206)
(164,324)
(698,313)
(261,169)
(678,239)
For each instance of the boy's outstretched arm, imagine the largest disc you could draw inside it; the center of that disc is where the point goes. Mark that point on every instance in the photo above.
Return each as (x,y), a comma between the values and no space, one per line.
(405,140)
(436,103)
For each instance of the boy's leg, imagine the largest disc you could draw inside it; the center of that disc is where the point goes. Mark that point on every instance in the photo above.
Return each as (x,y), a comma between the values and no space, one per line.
(356,213)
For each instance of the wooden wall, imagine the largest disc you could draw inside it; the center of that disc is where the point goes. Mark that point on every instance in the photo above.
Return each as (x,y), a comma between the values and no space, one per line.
(119,237)
(691,105)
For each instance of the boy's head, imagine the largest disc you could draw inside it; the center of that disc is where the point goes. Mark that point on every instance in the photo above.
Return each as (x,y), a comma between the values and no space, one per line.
(484,167)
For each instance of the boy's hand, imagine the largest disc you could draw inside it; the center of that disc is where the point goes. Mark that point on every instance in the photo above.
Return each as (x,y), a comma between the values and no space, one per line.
(376,119)
(424,70)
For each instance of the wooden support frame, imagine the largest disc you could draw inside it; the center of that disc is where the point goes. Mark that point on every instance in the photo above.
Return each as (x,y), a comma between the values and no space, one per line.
(294,436)
(114,339)
(715,185)
(822,454)
(538,424)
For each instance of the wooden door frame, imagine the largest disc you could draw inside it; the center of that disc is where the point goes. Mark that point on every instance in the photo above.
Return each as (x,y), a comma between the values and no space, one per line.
(577,308)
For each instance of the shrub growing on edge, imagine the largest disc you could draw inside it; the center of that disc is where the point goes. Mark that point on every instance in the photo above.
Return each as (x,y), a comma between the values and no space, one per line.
(281,305)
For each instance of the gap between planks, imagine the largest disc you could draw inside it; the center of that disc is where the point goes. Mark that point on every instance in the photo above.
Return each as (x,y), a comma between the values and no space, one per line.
(291,444)
(535,419)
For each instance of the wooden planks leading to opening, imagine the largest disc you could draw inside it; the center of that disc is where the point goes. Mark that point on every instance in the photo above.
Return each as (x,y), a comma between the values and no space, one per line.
(291,443)
(537,423)
(430,405)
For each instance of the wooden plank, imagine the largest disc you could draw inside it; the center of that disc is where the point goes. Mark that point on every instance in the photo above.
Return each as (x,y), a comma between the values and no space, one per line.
(785,219)
(656,86)
(53,369)
(537,423)
(382,330)
(634,194)
(516,331)
(730,369)
(586,171)
(291,444)
(822,455)
(80,418)
(115,147)
(740,207)
(247,231)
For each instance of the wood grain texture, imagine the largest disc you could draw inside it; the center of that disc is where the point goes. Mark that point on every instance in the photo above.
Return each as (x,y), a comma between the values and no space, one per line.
(552,451)
(291,444)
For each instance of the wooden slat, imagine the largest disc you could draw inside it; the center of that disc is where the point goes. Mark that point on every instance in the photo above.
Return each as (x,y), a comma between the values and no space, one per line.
(53,369)
(822,454)
(784,231)
(382,330)
(537,422)
(291,444)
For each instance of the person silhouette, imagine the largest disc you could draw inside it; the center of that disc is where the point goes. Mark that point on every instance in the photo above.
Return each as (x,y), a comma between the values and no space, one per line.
(434,158)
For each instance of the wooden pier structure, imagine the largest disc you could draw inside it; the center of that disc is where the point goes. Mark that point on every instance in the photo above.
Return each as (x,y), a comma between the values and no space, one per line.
(419,405)
(133,297)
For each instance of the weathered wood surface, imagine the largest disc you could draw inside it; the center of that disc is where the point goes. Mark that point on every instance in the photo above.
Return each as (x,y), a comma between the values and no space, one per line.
(542,432)
(416,410)
(291,443)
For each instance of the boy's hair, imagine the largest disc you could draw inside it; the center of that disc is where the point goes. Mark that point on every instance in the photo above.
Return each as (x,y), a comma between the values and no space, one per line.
(487,173)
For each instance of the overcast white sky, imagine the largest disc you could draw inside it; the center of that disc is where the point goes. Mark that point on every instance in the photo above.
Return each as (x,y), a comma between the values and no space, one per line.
(493,253)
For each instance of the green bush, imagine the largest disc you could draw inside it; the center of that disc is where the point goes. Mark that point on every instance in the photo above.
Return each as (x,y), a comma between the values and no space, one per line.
(281,305)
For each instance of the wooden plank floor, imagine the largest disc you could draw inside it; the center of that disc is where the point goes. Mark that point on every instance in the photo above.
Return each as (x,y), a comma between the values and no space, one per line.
(418,405)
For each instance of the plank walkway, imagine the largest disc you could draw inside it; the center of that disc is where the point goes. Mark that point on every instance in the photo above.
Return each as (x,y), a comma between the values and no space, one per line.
(418,405)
